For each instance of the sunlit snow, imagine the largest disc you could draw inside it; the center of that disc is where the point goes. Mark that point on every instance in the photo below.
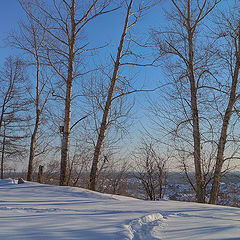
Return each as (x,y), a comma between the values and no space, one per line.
(35,211)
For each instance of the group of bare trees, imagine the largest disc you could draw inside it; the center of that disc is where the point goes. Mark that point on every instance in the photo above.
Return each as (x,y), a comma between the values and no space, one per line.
(197,111)
(52,39)
(201,46)
(14,106)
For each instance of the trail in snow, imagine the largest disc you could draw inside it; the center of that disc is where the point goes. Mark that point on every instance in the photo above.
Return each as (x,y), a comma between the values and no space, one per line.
(147,227)
(36,211)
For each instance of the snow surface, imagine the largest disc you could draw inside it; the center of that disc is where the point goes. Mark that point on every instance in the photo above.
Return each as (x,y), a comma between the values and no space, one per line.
(37,211)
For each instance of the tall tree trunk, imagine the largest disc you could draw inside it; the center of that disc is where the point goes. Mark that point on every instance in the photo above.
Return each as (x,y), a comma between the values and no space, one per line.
(40,174)
(223,137)
(200,192)
(3,152)
(33,147)
(1,118)
(68,100)
(3,144)
(101,136)
(200,189)
(3,111)
(37,122)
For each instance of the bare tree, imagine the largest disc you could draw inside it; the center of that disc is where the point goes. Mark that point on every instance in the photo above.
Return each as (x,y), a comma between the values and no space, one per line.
(9,78)
(132,16)
(113,176)
(31,40)
(151,171)
(229,38)
(13,105)
(3,151)
(66,22)
(181,42)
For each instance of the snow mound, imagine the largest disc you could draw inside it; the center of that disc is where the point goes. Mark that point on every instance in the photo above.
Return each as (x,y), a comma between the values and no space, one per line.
(146,227)
(38,211)
(8,181)
(59,191)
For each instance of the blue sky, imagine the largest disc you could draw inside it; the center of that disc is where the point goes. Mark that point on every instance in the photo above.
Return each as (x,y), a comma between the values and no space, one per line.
(10,13)
(106,29)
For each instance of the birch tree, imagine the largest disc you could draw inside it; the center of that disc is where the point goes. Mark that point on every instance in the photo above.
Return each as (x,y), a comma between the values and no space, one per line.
(229,39)
(181,41)
(132,16)
(65,47)
(30,38)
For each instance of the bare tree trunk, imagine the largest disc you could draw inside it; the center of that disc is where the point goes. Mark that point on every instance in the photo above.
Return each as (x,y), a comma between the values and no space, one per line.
(200,189)
(3,153)
(62,26)
(101,136)
(33,147)
(180,42)
(40,174)
(1,118)
(200,193)
(7,97)
(223,137)
(37,122)
(31,40)
(70,172)
(68,100)
(3,144)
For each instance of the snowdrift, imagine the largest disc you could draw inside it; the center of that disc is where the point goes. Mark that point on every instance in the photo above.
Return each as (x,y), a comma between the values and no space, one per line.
(38,211)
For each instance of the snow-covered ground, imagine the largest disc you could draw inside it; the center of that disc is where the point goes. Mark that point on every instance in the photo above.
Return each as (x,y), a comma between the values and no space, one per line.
(35,211)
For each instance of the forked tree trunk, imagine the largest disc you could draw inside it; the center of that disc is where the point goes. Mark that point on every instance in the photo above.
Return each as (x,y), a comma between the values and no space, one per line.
(68,100)
(223,137)
(101,136)
(200,189)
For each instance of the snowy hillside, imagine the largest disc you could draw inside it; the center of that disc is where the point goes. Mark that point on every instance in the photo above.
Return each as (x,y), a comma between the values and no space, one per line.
(35,211)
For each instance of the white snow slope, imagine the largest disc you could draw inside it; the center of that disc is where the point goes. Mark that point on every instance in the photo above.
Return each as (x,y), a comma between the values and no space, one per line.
(36,211)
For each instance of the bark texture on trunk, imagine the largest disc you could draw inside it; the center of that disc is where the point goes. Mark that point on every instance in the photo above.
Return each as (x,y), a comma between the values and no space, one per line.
(68,100)
(3,153)
(40,174)
(33,148)
(101,136)
(223,137)
(36,127)
(1,118)
(200,189)
(3,144)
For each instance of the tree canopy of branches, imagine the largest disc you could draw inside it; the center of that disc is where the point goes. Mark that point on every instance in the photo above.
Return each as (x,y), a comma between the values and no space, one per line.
(190,65)
(66,21)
